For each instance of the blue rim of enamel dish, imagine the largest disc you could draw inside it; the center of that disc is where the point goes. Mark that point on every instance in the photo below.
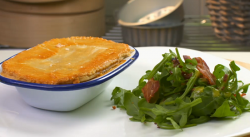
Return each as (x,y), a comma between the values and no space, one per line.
(67,87)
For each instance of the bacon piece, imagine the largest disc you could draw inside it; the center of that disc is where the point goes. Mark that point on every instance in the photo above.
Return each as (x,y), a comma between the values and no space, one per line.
(150,90)
(205,71)
(186,75)
(242,95)
(203,68)
(175,62)
(186,57)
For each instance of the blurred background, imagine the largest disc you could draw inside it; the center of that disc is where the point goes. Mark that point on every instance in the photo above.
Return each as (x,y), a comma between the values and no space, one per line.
(207,25)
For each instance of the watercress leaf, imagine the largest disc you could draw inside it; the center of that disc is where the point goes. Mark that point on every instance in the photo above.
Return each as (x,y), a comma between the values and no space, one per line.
(202,82)
(182,115)
(196,92)
(141,117)
(201,119)
(149,119)
(165,87)
(131,104)
(175,90)
(165,126)
(209,102)
(176,77)
(233,82)
(134,119)
(220,70)
(166,57)
(179,57)
(164,73)
(234,105)
(244,88)
(223,76)
(170,98)
(190,83)
(224,111)
(233,66)
(178,112)
(137,91)
(169,126)
(175,125)
(118,96)
(160,119)
(142,82)
(183,119)
(173,53)
(247,108)
(146,107)
(160,110)
(191,63)
(241,101)
(144,77)
(157,76)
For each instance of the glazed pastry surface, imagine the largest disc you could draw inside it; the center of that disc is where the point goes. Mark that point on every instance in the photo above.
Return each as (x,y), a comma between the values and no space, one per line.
(66,60)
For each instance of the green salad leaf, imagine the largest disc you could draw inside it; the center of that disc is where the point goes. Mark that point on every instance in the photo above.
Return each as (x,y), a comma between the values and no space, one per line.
(178,93)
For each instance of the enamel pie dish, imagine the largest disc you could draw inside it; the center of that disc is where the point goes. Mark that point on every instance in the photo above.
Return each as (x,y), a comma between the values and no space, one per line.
(64,74)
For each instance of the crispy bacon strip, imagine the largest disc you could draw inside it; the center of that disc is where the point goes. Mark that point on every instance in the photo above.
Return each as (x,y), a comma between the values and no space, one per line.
(203,68)
(205,71)
(150,90)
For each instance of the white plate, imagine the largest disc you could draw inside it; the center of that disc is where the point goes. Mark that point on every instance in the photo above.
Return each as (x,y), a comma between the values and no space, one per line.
(97,118)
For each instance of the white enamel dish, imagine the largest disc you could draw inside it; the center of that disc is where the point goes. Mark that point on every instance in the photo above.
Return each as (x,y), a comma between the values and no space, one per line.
(97,118)
(69,96)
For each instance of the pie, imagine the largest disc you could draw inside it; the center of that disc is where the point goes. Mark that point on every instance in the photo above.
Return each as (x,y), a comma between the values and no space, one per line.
(66,60)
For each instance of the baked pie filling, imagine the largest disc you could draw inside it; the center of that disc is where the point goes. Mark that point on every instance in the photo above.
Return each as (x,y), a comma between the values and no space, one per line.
(66,61)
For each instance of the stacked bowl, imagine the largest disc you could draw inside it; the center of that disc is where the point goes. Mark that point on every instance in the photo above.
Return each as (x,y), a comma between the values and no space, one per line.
(156,23)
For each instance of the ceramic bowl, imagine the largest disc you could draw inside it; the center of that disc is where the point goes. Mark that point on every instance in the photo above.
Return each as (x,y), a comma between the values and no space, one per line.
(69,96)
(156,12)
(157,22)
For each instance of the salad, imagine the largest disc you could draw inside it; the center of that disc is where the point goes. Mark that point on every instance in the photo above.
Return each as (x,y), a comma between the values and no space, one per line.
(179,93)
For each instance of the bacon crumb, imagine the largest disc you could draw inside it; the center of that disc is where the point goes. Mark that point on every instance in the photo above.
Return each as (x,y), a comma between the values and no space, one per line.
(243,94)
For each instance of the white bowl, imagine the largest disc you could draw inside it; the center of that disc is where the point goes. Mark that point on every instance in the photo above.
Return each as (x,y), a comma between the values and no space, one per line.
(65,97)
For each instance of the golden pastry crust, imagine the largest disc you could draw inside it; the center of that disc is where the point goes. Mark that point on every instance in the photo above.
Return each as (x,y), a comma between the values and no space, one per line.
(66,60)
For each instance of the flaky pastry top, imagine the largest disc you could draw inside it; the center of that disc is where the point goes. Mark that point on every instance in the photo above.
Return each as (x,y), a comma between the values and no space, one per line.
(66,60)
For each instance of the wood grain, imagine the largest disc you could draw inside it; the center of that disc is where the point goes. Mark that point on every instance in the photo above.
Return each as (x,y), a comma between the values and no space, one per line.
(36,1)
(61,7)
(28,30)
